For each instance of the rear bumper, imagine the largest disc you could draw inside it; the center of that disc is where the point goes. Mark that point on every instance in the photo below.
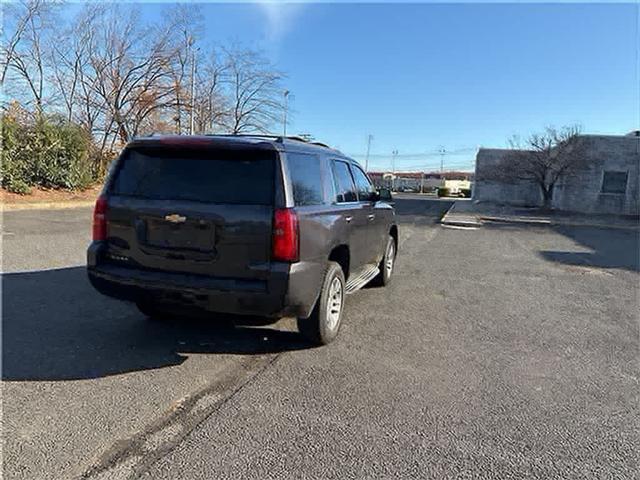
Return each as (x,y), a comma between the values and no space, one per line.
(272,298)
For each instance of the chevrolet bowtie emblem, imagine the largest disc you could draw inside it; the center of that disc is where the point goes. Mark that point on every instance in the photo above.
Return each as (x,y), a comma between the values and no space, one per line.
(175,218)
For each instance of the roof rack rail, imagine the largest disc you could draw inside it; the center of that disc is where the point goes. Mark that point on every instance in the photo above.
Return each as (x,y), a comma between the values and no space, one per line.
(320,144)
(276,138)
(243,135)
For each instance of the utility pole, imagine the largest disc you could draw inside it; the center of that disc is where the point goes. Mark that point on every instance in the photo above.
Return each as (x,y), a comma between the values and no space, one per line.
(193,79)
(442,152)
(284,115)
(393,169)
(366,162)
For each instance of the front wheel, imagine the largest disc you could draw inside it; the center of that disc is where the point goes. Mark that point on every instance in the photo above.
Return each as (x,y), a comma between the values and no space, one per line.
(386,264)
(324,322)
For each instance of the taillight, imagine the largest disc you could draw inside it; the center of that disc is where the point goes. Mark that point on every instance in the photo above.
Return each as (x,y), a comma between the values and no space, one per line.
(100,219)
(285,235)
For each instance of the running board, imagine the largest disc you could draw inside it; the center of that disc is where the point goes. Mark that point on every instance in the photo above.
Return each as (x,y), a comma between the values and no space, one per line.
(356,283)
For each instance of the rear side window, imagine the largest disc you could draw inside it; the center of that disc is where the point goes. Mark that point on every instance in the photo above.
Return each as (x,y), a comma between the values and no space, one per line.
(212,176)
(306,178)
(345,188)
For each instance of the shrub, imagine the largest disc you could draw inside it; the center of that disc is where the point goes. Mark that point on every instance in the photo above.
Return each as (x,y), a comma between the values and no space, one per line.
(443,192)
(49,153)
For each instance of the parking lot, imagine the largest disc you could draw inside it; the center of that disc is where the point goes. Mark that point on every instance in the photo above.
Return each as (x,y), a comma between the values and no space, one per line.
(497,352)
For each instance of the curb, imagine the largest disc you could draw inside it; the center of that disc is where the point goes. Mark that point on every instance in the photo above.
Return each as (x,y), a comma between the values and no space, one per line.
(11,207)
(552,223)
(525,221)
(470,220)
(462,221)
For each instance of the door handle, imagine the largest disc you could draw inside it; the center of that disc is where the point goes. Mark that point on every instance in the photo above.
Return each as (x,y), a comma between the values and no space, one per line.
(371,216)
(348,219)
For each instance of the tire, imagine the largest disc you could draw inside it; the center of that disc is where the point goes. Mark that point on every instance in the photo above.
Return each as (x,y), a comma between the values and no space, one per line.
(387,264)
(322,326)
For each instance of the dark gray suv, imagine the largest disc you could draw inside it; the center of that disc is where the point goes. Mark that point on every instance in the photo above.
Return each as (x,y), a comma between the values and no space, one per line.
(247,225)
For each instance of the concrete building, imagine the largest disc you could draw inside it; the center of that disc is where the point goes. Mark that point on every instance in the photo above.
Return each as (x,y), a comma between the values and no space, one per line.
(610,185)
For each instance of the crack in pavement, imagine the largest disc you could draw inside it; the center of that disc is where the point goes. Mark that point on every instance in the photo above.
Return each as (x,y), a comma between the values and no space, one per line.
(128,458)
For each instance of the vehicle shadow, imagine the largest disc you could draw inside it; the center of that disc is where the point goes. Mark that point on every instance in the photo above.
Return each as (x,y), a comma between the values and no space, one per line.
(618,249)
(609,248)
(56,327)
(422,207)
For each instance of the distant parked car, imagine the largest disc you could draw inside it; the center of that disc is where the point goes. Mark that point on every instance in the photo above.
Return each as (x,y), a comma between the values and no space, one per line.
(243,225)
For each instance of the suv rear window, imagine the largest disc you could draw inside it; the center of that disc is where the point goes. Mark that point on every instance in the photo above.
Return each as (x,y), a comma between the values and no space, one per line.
(212,176)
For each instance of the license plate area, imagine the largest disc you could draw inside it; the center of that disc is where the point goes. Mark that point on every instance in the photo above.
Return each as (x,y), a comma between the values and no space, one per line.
(194,235)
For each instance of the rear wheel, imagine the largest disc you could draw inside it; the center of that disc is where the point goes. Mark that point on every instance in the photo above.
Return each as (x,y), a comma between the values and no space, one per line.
(386,264)
(323,324)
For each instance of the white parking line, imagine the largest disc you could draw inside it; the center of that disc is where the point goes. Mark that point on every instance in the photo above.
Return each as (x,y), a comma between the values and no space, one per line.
(40,270)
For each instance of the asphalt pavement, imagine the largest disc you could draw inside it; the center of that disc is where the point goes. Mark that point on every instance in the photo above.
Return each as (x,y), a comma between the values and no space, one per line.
(498,352)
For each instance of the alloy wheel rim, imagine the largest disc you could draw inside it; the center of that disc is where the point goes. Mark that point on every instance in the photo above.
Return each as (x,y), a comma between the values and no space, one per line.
(334,304)
(391,251)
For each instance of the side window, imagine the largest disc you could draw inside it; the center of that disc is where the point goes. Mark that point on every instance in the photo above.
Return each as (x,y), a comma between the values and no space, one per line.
(365,188)
(306,179)
(345,188)
(614,182)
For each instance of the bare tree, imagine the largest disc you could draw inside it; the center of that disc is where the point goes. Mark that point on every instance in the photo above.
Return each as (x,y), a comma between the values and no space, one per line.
(255,92)
(76,79)
(543,158)
(210,103)
(184,24)
(69,61)
(10,44)
(24,51)
(119,77)
(129,68)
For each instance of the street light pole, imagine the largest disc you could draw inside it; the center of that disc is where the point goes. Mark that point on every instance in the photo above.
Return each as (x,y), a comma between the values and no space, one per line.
(193,75)
(393,169)
(366,162)
(286,107)
(442,152)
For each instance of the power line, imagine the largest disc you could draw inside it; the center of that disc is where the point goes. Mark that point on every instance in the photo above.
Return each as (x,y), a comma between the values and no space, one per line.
(425,166)
(462,158)
(434,164)
(419,155)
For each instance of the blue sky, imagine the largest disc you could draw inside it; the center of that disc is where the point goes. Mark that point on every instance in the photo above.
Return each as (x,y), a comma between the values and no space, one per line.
(421,76)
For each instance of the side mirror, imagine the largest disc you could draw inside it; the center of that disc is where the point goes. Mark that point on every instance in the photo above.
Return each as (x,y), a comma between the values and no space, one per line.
(384,194)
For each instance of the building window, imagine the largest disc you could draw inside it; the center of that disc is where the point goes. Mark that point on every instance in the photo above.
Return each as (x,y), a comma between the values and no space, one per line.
(614,182)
